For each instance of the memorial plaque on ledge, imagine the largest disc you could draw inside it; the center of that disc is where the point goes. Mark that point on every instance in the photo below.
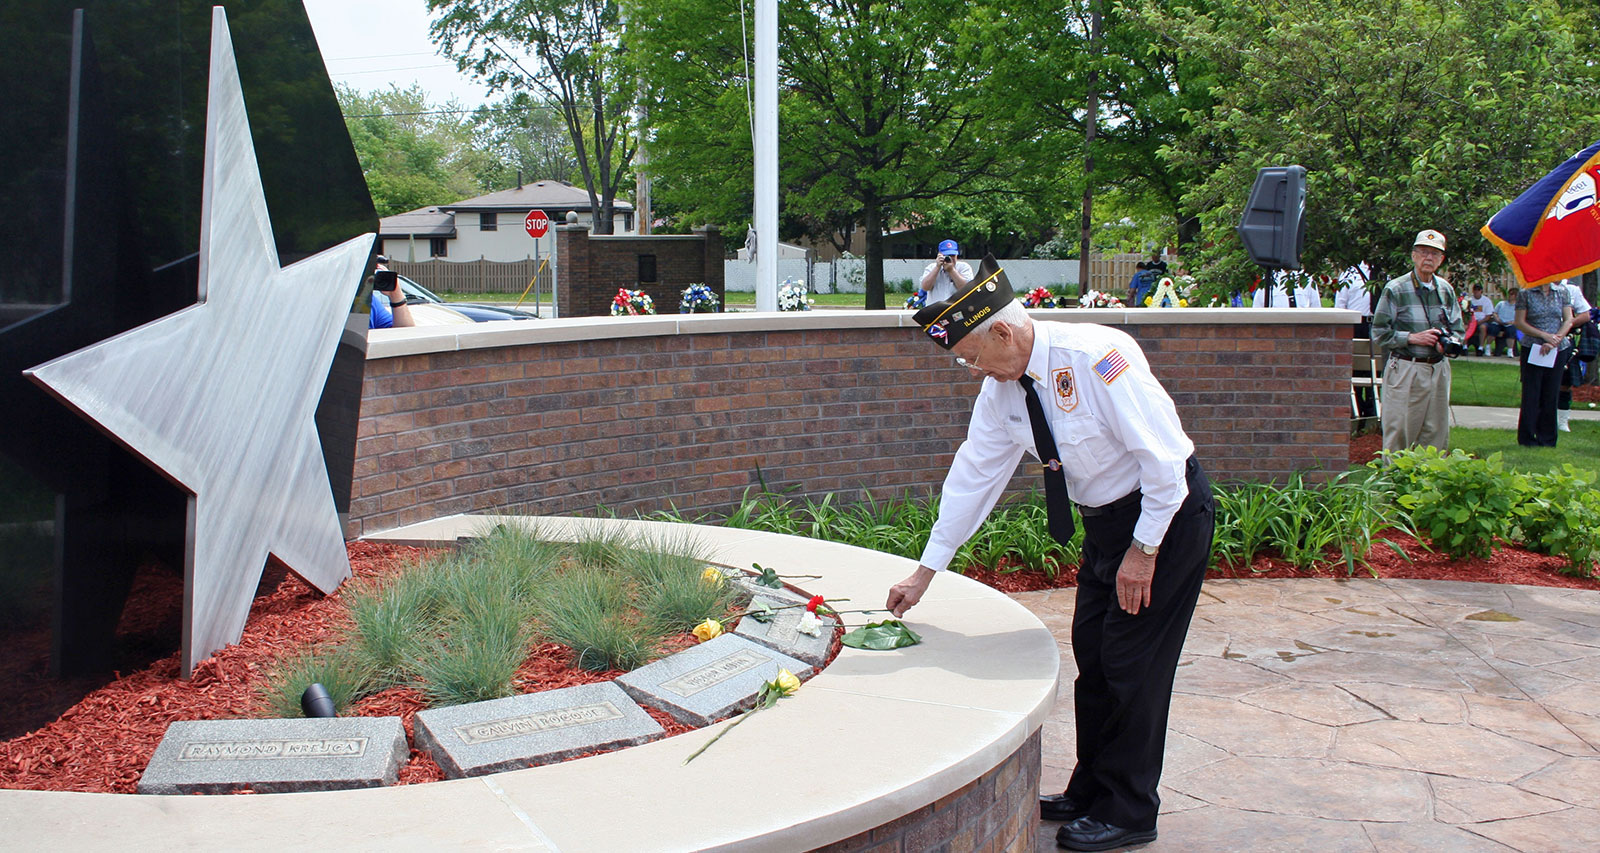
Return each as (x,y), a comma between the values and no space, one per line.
(275,756)
(705,683)
(532,729)
(782,631)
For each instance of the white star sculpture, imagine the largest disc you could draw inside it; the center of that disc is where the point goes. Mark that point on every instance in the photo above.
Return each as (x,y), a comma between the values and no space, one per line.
(220,396)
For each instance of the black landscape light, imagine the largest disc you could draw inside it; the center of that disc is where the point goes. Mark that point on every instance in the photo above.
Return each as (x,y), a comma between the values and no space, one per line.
(316,702)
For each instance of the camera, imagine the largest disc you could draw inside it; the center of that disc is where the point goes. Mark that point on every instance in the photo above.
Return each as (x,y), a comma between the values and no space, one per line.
(385,280)
(1451,344)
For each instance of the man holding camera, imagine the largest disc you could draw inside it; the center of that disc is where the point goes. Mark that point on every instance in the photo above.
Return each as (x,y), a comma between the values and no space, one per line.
(389,308)
(1418,320)
(947,274)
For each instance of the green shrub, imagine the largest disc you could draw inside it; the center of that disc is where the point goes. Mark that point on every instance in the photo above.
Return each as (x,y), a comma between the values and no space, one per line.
(476,659)
(1019,531)
(1463,504)
(1560,514)
(586,611)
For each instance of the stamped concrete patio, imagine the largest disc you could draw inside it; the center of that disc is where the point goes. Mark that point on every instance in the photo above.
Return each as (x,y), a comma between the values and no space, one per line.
(1371,715)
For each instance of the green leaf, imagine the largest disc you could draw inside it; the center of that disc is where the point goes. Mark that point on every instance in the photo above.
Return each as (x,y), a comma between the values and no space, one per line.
(767,577)
(760,612)
(882,636)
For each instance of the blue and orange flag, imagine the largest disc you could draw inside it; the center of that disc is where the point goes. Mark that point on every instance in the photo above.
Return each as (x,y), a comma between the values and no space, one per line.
(1552,231)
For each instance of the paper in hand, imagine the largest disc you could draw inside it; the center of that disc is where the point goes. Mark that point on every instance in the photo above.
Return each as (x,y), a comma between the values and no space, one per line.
(1542,356)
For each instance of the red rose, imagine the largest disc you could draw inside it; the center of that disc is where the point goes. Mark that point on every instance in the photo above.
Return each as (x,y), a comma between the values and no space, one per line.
(813,604)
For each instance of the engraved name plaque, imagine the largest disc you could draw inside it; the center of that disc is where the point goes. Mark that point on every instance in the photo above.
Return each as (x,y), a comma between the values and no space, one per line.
(544,721)
(716,672)
(237,750)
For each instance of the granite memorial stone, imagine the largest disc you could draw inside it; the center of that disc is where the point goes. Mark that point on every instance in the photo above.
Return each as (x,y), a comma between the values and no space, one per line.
(782,631)
(533,729)
(276,756)
(705,683)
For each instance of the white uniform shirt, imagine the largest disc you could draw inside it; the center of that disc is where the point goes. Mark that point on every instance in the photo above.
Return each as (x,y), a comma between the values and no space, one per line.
(1114,426)
(943,288)
(1580,305)
(1305,296)
(1354,297)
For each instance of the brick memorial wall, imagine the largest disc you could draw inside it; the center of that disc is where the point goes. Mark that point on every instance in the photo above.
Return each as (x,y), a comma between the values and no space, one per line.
(592,268)
(631,415)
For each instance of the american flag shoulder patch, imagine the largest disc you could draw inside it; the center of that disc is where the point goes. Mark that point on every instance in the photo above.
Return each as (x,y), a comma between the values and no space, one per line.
(1111,366)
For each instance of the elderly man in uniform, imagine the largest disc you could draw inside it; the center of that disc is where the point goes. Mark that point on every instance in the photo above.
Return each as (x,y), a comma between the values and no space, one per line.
(1082,399)
(1416,381)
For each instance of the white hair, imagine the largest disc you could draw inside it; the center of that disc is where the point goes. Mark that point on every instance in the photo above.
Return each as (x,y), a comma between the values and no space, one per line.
(1012,314)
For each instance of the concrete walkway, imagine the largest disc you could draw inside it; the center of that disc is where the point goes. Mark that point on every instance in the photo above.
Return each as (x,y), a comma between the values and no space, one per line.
(1371,715)
(1495,417)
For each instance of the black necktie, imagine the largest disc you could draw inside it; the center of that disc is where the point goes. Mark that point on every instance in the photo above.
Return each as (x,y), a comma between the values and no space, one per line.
(1057,505)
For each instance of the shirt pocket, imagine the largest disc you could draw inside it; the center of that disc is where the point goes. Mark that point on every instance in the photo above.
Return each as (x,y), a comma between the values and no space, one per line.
(1079,437)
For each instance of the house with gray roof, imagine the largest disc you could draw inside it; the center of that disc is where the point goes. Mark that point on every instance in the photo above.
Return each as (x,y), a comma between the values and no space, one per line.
(491,226)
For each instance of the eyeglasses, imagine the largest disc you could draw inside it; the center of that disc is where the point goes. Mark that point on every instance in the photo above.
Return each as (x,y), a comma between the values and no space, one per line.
(970,365)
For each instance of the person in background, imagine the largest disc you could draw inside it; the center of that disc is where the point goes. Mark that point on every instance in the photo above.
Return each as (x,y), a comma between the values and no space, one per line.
(1573,375)
(1277,295)
(946,275)
(1353,295)
(1502,329)
(1406,322)
(389,308)
(1482,309)
(1544,316)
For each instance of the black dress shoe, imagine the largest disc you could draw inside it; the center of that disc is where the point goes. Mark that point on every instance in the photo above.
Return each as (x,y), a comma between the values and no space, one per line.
(1086,833)
(1060,807)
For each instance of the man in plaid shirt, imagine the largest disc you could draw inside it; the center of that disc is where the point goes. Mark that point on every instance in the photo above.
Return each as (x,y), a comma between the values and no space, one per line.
(1416,380)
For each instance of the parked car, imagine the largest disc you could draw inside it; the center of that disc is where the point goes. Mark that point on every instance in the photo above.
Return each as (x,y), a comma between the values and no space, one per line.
(479,312)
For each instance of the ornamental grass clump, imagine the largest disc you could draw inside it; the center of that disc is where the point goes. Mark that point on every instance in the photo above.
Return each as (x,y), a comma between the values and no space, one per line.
(460,625)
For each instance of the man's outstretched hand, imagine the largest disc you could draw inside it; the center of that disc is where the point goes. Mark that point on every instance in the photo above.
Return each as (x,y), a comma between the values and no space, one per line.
(905,594)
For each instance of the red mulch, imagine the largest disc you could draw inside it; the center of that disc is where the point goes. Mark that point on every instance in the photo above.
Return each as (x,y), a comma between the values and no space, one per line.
(1586,394)
(104,741)
(1364,448)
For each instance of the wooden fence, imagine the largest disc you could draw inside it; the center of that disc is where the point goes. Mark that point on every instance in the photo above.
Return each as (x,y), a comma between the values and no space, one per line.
(479,276)
(1111,273)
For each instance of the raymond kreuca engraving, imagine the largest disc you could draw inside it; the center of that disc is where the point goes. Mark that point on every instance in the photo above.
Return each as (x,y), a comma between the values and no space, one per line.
(238,750)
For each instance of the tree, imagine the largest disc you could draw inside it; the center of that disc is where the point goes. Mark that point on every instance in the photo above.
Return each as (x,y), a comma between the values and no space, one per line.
(413,153)
(569,52)
(524,134)
(879,108)
(1406,113)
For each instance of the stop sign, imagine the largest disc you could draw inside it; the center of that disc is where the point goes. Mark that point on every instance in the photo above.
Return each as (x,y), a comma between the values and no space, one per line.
(537,223)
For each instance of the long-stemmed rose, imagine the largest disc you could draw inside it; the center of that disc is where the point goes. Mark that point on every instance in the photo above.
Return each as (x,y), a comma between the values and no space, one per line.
(784,685)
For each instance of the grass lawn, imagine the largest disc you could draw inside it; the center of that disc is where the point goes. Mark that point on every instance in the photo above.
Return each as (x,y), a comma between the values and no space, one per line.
(1485,383)
(747,299)
(1581,447)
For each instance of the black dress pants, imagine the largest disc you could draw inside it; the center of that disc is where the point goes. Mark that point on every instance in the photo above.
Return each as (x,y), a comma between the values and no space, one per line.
(1541,388)
(1126,663)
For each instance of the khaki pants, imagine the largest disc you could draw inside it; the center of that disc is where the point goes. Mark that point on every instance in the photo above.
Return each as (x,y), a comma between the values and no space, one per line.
(1416,404)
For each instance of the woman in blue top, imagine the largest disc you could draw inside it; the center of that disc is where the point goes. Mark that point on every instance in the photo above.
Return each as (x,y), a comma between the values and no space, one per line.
(1544,316)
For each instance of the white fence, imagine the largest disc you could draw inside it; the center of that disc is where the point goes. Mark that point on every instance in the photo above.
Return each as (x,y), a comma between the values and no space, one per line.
(848,276)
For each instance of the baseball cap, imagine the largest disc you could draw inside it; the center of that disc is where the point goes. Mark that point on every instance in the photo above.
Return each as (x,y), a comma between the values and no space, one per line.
(948,247)
(1430,237)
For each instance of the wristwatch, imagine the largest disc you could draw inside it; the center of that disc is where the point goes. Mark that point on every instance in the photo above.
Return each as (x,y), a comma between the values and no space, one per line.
(1148,550)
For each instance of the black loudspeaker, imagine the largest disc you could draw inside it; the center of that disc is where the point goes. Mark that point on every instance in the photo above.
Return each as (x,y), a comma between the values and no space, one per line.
(1274,227)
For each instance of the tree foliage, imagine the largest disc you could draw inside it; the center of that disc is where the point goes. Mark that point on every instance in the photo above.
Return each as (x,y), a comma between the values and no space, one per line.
(413,153)
(567,51)
(1406,113)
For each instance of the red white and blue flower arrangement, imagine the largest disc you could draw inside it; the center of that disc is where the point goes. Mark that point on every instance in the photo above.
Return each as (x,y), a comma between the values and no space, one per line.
(917,301)
(631,302)
(1039,297)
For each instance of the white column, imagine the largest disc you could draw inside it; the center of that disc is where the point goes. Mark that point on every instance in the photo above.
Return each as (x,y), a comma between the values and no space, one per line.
(766,153)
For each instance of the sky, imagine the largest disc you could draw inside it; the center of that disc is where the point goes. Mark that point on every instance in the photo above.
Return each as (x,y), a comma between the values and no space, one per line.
(371,44)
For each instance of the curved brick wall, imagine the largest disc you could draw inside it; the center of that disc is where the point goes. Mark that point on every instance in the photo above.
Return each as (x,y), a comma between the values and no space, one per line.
(633,415)
(997,811)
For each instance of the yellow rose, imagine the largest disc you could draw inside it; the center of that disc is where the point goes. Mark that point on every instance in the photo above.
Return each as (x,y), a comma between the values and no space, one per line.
(714,576)
(709,630)
(787,682)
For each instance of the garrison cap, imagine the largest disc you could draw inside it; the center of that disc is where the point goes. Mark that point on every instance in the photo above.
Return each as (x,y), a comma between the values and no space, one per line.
(950,321)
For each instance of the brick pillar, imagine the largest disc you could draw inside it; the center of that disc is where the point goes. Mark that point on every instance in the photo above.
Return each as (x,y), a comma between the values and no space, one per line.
(573,289)
(711,247)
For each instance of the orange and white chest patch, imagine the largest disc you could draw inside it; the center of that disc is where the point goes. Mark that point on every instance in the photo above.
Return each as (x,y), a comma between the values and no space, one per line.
(1066,389)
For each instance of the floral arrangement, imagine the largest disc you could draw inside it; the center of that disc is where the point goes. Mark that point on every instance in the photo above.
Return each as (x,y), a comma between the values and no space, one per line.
(1097,299)
(698,299)
(631,302)
(917,300)
(1039,297)
(1166,281)
(792,296)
